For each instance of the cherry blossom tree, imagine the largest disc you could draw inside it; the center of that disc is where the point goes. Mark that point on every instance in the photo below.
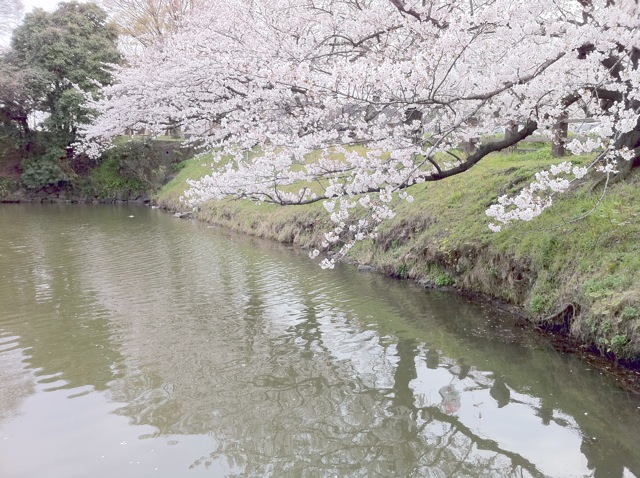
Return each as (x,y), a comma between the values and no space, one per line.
(351,102)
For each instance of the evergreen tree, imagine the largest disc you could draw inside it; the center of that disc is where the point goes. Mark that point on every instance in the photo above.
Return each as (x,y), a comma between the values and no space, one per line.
(55,61)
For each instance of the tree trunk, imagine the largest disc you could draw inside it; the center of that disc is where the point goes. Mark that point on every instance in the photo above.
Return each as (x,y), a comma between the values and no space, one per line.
(510,131)
(630,140)
(560,133)
(469,147)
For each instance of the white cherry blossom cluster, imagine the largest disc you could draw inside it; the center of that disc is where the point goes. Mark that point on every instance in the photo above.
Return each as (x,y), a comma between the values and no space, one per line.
(532,200)
(352,102)
(538,195)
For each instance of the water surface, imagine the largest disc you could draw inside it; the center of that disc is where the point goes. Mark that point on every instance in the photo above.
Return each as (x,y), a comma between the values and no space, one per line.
(134,344)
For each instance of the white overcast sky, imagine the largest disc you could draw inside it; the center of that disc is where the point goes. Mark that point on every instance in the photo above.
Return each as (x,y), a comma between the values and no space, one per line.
(48,5)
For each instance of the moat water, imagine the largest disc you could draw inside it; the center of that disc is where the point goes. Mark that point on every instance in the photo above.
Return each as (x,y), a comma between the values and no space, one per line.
(135,344)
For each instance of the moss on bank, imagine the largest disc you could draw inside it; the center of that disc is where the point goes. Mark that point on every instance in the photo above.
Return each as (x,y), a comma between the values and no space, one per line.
(579,278)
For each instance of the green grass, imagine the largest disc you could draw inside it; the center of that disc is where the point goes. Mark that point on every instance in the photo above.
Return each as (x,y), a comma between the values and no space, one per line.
(442,237)
(193,168)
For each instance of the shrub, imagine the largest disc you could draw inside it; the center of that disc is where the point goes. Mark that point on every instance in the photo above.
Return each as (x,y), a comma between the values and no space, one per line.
(107,179)
(44,171)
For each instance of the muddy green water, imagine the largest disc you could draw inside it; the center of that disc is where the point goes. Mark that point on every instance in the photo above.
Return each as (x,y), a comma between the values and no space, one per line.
(134,344)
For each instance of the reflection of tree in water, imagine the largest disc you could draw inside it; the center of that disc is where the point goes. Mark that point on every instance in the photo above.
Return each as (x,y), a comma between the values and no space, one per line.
(605,462)
(294,409)
(500,392)
(286,383)
(451,447)
(317,397)
(66,333)
(15,384)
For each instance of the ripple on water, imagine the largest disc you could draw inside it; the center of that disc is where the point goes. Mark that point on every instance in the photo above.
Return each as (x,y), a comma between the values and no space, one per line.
(210,350)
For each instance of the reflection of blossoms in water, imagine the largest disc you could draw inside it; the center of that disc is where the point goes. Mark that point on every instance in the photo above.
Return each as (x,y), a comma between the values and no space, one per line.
(450,399)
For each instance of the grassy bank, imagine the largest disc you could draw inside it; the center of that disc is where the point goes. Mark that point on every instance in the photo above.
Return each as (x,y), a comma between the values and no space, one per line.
(575,278)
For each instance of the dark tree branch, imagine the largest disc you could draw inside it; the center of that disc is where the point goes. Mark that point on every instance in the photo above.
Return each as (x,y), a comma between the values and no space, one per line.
(484,149)
(400,5)
(520,81)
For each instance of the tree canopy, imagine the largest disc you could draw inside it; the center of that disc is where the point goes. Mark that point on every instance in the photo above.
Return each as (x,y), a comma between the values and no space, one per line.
(302,84)
(72,49)
(55,60)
